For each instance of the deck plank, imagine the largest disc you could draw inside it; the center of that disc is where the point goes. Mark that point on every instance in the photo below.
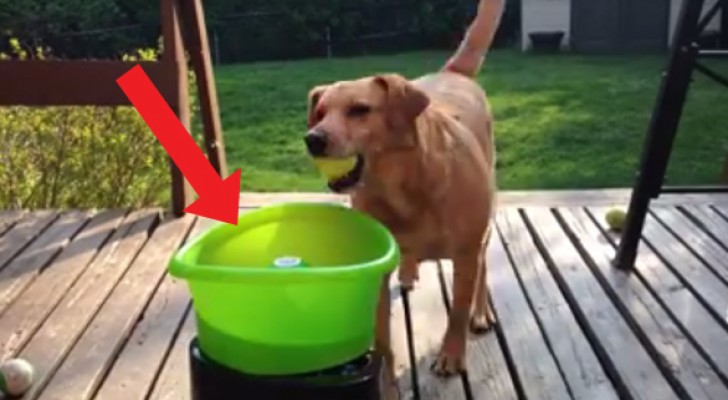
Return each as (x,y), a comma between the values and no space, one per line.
(710,338)
(174,381)
(429,321)
(135,370)
(713,255)
(690,269)
(624,357)
(511,198)
(657,333)
(578,363)
(22,233)
(25,267)
(710,221)
(80,373)
(64,326)
(26,314)
(524,340)
(721,209)
(143,355)
(8,218)
(488,373)
(661,334)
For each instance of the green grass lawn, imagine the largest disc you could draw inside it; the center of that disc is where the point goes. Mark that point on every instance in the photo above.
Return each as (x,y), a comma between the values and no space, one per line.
(561,121)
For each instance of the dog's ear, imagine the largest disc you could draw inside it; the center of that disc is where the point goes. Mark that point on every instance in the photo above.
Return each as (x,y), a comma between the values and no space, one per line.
(314,95)
(404,100)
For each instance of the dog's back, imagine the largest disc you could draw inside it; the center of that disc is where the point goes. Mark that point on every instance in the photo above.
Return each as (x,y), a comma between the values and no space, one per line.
(464,100)
(454,88)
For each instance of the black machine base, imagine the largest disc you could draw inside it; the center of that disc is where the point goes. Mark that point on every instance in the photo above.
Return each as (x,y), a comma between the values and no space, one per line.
(356,380)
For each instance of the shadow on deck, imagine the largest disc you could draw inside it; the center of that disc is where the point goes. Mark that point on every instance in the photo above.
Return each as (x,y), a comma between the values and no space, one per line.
(86,298)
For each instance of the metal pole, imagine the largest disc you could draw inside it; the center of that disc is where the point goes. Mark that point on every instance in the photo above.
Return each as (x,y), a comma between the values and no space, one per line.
(661,134)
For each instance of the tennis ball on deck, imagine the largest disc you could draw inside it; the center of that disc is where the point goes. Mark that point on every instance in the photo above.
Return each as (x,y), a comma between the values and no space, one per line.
(16,377)
(615,219)
(334,168)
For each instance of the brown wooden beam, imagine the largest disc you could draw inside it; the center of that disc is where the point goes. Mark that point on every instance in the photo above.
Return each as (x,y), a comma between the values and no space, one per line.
(199,51)
(174,63)
(73,83)
(93,83)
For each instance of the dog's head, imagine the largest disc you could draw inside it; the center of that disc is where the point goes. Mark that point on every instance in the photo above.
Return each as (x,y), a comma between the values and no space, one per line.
(362,118)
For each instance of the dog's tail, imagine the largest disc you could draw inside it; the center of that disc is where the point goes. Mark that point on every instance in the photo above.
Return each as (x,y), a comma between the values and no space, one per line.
(469,56)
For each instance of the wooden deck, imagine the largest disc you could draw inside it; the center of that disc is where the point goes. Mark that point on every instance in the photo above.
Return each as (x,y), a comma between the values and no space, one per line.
(85,297)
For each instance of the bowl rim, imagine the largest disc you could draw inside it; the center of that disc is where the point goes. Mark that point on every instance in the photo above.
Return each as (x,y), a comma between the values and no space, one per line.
(182,264)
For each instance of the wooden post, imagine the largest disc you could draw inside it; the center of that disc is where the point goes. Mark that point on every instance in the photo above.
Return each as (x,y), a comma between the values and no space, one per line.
(199,50)
(174,60)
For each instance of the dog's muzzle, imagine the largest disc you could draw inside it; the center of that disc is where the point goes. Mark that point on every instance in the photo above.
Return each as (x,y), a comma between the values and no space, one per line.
(316,143)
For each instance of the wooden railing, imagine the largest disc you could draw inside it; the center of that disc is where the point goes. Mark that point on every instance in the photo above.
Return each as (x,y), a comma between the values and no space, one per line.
(93,83)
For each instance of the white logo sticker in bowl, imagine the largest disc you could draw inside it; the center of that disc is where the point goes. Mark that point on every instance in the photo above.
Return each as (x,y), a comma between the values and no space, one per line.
(287,262)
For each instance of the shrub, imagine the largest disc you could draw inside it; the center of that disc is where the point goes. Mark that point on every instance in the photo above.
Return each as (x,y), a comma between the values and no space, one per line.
(290,29)
(252,30)
(80,157)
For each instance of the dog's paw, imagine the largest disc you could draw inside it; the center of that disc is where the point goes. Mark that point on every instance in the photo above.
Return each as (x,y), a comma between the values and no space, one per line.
(481,323)
(447,365)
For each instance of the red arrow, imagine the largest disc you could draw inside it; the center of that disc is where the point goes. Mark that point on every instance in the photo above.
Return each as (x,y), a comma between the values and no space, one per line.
(218,199)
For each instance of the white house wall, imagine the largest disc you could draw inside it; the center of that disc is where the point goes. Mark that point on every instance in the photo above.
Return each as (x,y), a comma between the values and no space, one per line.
(555,15)
(545,15)
(675,13)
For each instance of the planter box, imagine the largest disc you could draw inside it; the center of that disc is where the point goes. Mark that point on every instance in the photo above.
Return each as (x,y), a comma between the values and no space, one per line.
(546,42)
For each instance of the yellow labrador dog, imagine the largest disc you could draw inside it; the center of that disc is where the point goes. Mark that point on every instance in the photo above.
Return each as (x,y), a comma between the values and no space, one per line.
(425,169)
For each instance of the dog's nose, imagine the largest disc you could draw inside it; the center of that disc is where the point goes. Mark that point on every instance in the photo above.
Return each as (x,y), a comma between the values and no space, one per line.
(316,143)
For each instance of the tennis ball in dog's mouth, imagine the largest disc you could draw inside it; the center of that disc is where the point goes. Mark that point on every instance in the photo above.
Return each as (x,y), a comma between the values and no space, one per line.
(615,219)
(334,168)
(16,377)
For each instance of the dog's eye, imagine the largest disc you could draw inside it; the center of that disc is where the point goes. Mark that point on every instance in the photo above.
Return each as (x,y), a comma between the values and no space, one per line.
(358,110)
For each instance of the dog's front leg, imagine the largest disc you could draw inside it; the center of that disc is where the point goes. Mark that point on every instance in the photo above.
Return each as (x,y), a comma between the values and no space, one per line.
(408,272)
(451,358)
(388,383)
(483,317)
(383,330)
(383,334)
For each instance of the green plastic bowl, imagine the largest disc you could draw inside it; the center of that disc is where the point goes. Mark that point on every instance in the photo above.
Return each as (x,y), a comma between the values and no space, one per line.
(260,318)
